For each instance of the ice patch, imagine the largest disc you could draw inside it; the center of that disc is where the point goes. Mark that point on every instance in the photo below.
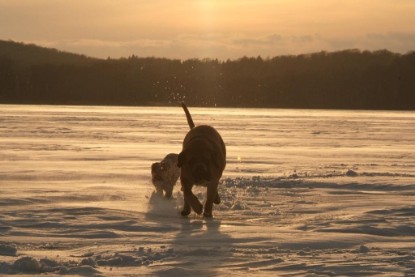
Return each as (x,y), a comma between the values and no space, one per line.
(26,265)
(177,271)
(363,249)
(8,249)
(83,270)
(30,265)
(238,206)
(351,173)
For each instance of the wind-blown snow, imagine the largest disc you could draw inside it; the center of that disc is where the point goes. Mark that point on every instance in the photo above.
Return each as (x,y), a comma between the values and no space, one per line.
(304,192)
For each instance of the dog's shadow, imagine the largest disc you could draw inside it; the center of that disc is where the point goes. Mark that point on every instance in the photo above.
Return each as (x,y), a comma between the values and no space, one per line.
(200,244)
(204,245)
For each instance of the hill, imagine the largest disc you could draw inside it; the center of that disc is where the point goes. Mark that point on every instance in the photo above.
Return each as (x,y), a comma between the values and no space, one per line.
(30,54)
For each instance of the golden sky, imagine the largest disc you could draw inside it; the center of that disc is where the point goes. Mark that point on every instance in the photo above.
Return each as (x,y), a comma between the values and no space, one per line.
(209,29)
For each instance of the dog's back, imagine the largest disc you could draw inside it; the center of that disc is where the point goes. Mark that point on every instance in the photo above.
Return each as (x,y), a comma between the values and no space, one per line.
(208,133)
(204,131)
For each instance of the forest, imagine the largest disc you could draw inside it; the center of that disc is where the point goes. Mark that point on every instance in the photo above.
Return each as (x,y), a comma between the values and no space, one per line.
(348,79)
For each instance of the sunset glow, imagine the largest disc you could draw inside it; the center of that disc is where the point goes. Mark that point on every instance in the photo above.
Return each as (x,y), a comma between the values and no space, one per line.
(213,29)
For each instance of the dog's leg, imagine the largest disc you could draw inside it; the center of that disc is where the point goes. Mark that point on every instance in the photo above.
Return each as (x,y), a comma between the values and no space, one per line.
(168,193)
(159,191)
(190,200)
(186,208)
(212,192)
(217,198)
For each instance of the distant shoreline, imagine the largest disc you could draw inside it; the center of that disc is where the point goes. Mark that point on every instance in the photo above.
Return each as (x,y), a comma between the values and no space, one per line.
(344,80)
(196,106)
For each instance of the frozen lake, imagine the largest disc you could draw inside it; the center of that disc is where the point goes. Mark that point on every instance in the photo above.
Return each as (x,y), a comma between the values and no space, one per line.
(304,191)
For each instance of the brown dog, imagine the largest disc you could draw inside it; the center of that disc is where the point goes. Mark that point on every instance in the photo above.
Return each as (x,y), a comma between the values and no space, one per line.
(202,162)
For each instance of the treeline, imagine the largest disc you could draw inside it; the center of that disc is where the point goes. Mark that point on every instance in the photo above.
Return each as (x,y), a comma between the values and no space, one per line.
(349,79)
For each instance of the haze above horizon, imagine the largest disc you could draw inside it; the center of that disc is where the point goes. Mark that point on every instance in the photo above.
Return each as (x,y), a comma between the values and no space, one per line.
(209,29)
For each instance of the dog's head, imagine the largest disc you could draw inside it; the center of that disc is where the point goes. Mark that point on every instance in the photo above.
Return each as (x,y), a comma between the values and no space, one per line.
(158,171)
(199,162)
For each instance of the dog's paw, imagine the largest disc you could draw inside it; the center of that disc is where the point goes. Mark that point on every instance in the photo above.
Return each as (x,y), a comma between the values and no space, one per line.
(185,212)
(217,200)
(199,209)
(207,215)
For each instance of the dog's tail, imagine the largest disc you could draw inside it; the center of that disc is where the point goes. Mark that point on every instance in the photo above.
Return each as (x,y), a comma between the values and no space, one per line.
(188,116)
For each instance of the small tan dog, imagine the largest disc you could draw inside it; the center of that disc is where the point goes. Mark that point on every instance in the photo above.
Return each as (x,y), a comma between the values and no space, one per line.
(165,175)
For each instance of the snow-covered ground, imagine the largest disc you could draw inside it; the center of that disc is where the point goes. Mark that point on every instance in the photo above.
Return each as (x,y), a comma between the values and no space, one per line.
(304,193)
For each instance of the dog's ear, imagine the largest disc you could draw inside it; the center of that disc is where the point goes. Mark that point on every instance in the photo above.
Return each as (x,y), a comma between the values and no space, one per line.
(181,159)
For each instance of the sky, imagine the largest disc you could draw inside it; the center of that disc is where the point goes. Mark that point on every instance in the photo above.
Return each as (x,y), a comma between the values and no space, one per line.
(222,29)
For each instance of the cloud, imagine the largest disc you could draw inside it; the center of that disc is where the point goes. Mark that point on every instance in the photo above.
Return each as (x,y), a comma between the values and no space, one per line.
(233,46)
(394,41)
(107,48)
(216,29)
(260,41)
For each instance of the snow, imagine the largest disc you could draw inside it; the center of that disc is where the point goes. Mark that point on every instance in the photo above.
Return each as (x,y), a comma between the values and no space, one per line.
(305,192)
